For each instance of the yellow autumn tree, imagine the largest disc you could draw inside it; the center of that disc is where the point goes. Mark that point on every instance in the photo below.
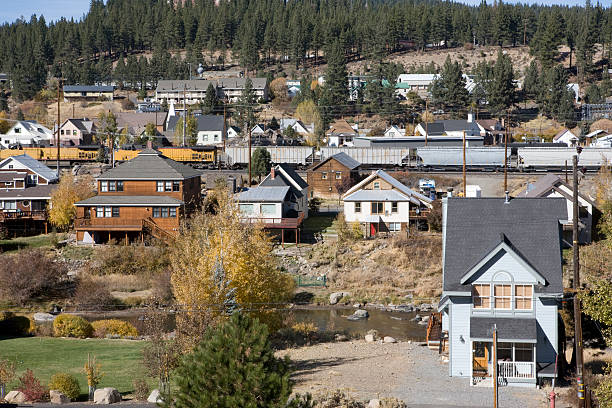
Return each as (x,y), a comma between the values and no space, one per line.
(61,206)
(216,259)
(308,112)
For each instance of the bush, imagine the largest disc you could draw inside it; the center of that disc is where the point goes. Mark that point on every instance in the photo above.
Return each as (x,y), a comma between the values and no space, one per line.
(129,260)
(12,325)
(114,327)
(66,384)
(93,295)
(72,326)
(141,389)
(32,388)
(30,274)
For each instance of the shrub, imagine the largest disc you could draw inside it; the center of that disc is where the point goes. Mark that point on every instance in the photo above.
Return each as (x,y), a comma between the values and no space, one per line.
(66,384)
(141,389)
(91,294)
(33,390)
(129,260)
(114,327)
(72,326)
(30,274)
(12,325)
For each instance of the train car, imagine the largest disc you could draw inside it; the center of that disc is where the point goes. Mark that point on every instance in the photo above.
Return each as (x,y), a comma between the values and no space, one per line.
(67,154)
(197,154)
(557,158)
(451,158)
(371,156)
(298,155)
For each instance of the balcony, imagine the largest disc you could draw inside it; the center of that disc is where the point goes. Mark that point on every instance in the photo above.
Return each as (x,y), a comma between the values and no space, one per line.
(422,214)
(516,369)
(108,224)
(276,223)
(23,215)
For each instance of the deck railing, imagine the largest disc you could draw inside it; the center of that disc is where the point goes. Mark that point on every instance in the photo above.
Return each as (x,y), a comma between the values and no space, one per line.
(420,214)
(516,369)
(17,215)
(277,222)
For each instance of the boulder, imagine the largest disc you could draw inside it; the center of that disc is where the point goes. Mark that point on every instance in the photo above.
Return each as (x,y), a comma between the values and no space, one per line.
(369,338)
(335,297)
(341,337)
(106,395)
(374,403)
(425,318)
(422,323)
(56,397)
(43,317)
(425,307)
(154,397)
(416,318)
(389,339)
(361,314)
(15,397)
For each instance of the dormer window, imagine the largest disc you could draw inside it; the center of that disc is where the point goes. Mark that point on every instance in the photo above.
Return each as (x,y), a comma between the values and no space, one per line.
(377,185)
(502,296)
(523,295)
(481,294)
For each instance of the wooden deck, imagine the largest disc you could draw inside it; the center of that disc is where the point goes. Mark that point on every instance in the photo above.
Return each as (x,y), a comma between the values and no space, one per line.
(277,223)
(89,224)
(23,215)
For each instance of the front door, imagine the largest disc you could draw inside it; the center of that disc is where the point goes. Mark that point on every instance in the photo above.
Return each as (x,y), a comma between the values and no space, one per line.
(373,229)
(480,355)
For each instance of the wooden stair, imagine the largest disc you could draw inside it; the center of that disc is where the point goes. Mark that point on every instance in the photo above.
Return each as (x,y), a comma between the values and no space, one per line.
(434,330)
(150,227)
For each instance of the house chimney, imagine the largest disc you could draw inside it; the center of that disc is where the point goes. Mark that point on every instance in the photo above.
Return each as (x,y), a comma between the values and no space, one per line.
(470,117)
(272,175)
(149,144)
(507,196)
(449,192)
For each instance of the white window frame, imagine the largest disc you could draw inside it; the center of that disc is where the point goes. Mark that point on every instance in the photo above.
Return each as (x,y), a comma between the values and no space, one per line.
(376,185)
(515,297)
(495,297)
(474,296)
(159,186)
(103,186)
(394,207)
(358,207)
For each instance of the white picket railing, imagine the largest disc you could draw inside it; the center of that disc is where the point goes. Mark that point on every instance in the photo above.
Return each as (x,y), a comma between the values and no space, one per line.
(516,369)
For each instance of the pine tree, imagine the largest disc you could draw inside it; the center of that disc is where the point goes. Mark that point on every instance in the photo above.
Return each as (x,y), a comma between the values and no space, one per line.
(233,366)
(246,107)
(532,80)
(585,42)
(448,89)
(335,90)
(261,162)
(502,91)
(210,100)
(555,99)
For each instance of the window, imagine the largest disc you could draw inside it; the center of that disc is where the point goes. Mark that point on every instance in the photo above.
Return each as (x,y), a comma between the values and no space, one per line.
(504,351)
(108,212)
(104,186)
(112,186)
(120,186)
(172,212)
(10,205)
(502,295)
(324,175)
(268,209)
(17,130)
(377,185)
(74,133)
(168,186)
(115,212)
(394,207)
(164,212)
(246,209)
(176,186)
(160,187)
(338,175)
(378,208)
(357,207)
(523,352)
(62,132)
(481,296)
(100,212)
(523,297)
(156,212)
(395,226)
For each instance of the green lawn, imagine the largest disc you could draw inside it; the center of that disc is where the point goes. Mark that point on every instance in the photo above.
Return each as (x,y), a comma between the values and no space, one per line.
(120,359)
(36,241)
(318,223)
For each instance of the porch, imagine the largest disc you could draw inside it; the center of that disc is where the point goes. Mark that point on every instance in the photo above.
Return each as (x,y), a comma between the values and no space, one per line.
(516,364)
(279,225)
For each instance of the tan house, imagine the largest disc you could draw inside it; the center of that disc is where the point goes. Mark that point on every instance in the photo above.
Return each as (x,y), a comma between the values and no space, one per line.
(75,92)
(76,132)
(325,176)
(340,133)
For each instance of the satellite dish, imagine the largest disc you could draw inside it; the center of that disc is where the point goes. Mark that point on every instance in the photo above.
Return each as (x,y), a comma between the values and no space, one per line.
(200,69)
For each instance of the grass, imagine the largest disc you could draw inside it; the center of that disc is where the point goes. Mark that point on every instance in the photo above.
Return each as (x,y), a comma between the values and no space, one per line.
(45,356)
(318,223)
(37,241)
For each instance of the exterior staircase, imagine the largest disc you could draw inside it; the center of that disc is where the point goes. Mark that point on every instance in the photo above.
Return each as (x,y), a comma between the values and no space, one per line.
(435,336)
(150,227)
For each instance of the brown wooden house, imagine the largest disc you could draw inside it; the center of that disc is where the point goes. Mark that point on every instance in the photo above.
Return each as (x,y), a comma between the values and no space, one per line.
(148,195)
(25,190)
(324,177)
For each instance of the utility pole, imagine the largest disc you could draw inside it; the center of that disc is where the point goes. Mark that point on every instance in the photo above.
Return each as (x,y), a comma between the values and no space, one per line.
(184,112)
(464,177)
(495,375)
(59,87)
(249,125)
(577,311)
(426,119)
(223,136)
(506,154)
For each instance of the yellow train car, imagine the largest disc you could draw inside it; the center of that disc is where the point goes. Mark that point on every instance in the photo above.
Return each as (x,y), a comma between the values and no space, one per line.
(72,154)
(125,155)
(190,154)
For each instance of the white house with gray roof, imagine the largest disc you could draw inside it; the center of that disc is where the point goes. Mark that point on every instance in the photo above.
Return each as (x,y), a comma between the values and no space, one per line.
(26,133)
(194,90)
(502,270)
(380,203)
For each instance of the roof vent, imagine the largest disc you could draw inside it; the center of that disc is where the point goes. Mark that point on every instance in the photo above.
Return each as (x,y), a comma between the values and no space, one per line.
(507,196)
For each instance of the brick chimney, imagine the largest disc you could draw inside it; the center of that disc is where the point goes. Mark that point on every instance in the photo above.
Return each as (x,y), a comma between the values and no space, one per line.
(272,173)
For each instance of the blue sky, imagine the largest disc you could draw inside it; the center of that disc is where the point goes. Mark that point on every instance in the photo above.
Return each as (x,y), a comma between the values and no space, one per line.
(54,9)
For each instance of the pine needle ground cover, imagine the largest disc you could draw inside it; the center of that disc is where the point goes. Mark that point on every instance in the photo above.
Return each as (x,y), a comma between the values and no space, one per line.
(45,356)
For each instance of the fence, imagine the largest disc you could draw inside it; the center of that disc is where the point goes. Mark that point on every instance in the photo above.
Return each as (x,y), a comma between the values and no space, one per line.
(310,281)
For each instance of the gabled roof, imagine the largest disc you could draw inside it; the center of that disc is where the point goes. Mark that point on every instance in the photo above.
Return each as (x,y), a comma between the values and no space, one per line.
(137,120)
(548,183)
(473,226)
(40,192)
(34,128)
(84,125)
(342,158)
(341,126)
(292,174)
(207,123)
(150,164)
(394,182)
(563,132)
(264,194)
(34,165)
(433,128)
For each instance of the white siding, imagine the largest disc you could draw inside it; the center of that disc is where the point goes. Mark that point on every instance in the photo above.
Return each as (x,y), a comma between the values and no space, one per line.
(278,212)
(547,318)
(460,352)
(507,263)
(402,215)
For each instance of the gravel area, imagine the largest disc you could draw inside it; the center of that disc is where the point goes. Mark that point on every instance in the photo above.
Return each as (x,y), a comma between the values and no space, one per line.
(404,370)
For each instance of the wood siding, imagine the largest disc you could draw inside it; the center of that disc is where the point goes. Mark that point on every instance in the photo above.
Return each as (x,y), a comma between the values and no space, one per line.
(326,188)
(189,190)
(130,218)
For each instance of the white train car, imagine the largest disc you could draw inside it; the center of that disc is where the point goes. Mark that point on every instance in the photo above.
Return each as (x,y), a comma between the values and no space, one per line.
(298,155)
(451,157)
(375,156)
(556,158)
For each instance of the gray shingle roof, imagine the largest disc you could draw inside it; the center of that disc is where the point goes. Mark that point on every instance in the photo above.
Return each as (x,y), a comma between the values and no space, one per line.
(125,200)
(293,174)
(34,165)
(264,194)
(88,88)
(150,164)
(12,175)
(474,226)
(507,328)
(547,183)
(39,192)
(342,158)
(210,123)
